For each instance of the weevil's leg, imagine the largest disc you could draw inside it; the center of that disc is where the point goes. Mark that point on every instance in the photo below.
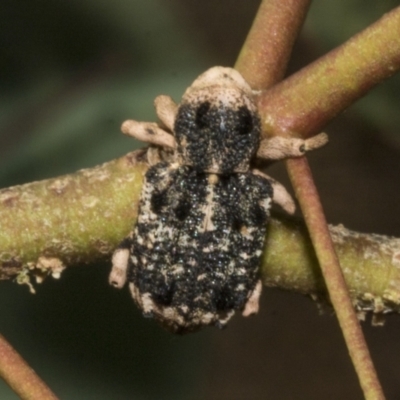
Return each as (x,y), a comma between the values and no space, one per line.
(279,147)
(148,132)
(252,305)
(153,155)
(117,277)
(316,141)
(166,110)
(120,262)
(281,196)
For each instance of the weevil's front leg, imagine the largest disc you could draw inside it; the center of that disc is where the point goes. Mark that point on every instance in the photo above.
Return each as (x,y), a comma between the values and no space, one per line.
(252,305)
(148,132)
(166,110)
(278,147)
(281,196)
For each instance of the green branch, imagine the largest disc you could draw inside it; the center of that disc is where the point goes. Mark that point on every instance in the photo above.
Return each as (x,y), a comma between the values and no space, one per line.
(370,264)
(77,218)
(80,218)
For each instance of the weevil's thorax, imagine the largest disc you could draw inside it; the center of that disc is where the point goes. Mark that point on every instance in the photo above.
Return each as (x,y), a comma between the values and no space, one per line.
(217,127)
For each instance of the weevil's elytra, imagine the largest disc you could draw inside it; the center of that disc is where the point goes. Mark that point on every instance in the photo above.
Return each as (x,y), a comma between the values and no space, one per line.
(193,257)
(198,246)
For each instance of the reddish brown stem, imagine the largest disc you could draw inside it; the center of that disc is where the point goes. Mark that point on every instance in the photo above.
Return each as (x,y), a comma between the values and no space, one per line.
(265,54)
(306,192)
(20,376)
(302,104)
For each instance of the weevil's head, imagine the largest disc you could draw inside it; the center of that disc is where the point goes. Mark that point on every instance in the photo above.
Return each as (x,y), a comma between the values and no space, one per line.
(217,127)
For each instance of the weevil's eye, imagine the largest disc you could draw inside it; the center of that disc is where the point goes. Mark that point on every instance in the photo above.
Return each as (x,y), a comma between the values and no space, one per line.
(201,114)
(245,124)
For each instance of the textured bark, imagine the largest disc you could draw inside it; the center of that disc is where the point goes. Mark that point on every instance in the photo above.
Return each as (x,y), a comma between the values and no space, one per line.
(73,219)
(80,218)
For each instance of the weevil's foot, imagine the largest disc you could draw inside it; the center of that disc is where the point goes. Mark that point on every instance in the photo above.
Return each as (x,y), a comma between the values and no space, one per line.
(117,277)
(316,142)
(252,306)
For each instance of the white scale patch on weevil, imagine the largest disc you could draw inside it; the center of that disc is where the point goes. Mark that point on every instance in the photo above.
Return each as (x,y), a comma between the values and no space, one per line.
(193,257)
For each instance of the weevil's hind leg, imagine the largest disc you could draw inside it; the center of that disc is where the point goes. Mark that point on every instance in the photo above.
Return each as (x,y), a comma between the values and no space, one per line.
(148,132)
(166,110)
(252,305)
(281,196)
(278,147)
(120,263)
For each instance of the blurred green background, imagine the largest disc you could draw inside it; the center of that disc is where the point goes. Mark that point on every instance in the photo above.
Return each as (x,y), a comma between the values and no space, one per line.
(70,73)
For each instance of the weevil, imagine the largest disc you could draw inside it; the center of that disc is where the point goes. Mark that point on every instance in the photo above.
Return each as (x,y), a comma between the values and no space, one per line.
(193,257)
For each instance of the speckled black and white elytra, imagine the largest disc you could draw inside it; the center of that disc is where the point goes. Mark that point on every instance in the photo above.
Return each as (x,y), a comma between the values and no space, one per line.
(193,257)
